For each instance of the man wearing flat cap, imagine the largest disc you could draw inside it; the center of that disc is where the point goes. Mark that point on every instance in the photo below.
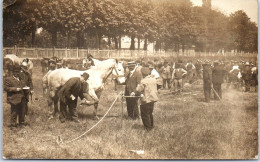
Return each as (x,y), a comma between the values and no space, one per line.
(75,87)
(15,97)
(133,78)
(147,89)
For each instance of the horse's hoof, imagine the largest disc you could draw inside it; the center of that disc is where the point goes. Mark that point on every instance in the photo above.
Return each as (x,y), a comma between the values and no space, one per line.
(51,117)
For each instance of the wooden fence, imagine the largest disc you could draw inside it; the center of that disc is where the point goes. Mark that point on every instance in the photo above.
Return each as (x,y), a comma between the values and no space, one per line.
(82,53)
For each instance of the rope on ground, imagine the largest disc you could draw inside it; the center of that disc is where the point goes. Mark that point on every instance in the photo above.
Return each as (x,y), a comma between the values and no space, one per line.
(59,140)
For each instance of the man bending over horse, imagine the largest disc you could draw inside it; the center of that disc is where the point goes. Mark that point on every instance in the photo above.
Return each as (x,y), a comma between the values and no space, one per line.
(75,87)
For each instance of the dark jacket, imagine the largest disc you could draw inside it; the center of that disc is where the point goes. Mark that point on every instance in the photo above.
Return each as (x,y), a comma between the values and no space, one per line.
(207,75)
(132,81)
(10,86)
(72,87)
(218,75)
(247,73)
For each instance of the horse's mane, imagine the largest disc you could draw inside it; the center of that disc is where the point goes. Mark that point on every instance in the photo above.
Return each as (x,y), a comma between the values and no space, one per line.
(104,64)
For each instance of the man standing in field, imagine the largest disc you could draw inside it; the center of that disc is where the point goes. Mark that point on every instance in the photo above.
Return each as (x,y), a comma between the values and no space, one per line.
(69,93)
(165,72)
(15,97)
(217,79)
(133,78)
(198,67)
(190,71)
(177,77)
(147,89)
(247,76)
(207,80)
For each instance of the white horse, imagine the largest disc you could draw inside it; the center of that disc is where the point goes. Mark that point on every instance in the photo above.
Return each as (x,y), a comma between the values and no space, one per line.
(98,75)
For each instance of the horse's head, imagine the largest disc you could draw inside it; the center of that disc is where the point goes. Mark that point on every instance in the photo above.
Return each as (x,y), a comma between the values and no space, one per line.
(119,72)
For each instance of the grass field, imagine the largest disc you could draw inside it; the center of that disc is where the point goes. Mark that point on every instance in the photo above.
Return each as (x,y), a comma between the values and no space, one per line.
(185,128)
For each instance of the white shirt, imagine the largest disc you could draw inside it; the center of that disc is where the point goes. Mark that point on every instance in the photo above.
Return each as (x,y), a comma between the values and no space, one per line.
(155,74)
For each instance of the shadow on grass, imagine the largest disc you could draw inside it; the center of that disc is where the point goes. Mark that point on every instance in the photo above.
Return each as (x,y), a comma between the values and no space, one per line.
(138,126)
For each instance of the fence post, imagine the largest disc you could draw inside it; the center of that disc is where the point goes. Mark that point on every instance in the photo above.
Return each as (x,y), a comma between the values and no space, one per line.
(77,52)
(36,52)
(15,50)
(66,52)
(53,51)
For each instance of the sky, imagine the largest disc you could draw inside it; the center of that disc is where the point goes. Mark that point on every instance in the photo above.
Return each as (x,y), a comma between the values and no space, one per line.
(230,6)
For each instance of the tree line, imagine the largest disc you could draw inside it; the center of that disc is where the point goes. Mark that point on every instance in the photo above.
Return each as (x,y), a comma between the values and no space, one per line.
(171,24)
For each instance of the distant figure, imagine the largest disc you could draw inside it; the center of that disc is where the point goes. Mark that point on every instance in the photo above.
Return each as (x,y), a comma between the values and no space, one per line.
(247,76)
(45,64)
(190,71)
(88,62)
(147,89)
(52,64)
(165,72)
(177,77)
(198,67)
(207,80)
(218,74)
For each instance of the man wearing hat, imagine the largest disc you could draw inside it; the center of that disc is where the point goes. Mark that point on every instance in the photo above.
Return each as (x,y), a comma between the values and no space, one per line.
(15,97)
(218,74)
(75,87)
(207,80)
(88,62)
(147,89)
(166,74)
(247,76)
(52,63)
(26,78)
(133,78)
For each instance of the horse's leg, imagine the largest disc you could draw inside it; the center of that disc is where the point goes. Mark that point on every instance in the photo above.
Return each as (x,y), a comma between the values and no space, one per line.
(55,102)
(93,94)
(50,107)
(98,94)
(51,103)
(95,111)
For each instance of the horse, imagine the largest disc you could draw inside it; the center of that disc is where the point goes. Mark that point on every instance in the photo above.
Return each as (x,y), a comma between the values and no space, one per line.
(98,75)
(11,60)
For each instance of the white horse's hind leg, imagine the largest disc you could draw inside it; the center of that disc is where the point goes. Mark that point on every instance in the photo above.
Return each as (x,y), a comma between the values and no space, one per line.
(93,94)
(97,94)
(51,103)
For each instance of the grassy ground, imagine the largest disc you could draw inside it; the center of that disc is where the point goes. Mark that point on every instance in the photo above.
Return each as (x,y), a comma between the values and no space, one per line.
(185,128)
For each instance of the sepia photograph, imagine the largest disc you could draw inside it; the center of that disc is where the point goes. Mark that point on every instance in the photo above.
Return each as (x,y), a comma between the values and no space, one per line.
(130,79)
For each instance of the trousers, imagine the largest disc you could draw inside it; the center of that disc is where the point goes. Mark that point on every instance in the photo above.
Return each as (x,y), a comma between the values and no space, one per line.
(147,115)
(72,105)
(168,83)
(18,111)
(207,91)
(132,107)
